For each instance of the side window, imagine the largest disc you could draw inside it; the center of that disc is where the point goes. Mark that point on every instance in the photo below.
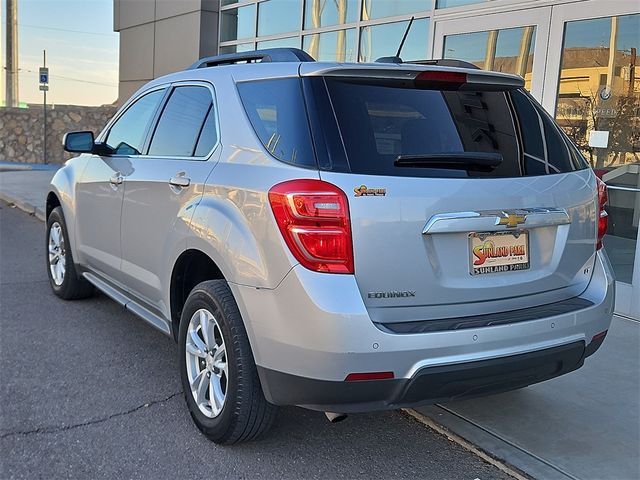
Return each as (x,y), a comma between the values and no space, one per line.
(127,135)
(278,115)
(208,135)
(182,122)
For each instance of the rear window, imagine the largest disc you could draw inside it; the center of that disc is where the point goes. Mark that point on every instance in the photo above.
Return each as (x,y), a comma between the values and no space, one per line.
(350,126)
(378,124)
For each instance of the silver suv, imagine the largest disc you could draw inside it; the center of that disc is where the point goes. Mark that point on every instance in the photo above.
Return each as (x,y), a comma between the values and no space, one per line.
(341,237)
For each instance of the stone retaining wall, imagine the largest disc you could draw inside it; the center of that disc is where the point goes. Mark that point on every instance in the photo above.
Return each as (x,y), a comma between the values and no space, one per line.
(21,130)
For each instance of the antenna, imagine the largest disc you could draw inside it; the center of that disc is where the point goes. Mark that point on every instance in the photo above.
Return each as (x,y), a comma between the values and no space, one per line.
(404,37)
(396,58)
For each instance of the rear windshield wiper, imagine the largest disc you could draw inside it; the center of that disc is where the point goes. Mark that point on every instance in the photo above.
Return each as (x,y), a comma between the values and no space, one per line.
(476,161)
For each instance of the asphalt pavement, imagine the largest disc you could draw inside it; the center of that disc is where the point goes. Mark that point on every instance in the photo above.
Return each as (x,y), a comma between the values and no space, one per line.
(89,391)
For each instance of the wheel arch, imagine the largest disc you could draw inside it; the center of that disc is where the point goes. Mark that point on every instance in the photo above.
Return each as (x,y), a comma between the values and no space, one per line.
(52,202)
(192,267)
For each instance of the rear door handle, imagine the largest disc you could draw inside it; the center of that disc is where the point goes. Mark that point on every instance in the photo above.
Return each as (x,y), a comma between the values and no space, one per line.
(180,181)
(116,179)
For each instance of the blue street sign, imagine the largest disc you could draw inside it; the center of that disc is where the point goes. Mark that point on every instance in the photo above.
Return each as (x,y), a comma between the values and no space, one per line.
(44,75)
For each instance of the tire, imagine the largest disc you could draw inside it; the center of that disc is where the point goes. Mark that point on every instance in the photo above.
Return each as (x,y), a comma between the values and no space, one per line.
(243,414)
(67,285)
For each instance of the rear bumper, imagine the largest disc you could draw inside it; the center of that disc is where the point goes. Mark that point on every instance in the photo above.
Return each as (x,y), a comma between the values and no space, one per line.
(313,330)
(429,385)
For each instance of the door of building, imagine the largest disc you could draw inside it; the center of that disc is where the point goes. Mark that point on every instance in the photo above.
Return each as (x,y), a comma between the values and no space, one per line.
(593,89)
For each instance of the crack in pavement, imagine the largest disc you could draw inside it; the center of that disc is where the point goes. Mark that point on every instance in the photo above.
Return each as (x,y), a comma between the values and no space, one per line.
(64,428)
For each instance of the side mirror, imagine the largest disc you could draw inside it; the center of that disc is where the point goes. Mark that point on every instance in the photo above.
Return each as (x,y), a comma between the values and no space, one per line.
(78,142)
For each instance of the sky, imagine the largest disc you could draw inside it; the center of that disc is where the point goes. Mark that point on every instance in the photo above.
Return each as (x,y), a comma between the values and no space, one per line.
(82,50)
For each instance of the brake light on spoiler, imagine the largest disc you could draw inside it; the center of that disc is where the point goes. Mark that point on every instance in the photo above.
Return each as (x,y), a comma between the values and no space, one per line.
(466,80)
(438,77)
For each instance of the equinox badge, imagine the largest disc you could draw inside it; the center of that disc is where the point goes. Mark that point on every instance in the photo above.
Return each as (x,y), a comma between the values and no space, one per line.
(393,294)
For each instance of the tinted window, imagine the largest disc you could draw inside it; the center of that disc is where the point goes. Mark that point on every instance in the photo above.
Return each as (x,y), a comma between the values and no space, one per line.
(545,148)
(379,123)
(208,135)
(181,122)
(127,135)
(277,113)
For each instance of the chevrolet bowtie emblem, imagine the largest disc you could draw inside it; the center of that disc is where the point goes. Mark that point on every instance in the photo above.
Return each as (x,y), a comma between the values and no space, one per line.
(512,220)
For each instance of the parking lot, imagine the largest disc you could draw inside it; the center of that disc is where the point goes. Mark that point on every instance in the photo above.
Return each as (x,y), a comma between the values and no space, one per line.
(89,391)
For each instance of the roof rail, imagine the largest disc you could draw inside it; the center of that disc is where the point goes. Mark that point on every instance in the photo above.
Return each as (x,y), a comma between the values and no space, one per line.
(267,55)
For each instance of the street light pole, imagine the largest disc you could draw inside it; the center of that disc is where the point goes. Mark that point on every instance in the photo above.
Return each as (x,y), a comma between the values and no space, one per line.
(11,69)
(44,108)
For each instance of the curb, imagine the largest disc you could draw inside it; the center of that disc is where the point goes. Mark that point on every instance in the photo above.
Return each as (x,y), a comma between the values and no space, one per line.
(24,206)
(490,459)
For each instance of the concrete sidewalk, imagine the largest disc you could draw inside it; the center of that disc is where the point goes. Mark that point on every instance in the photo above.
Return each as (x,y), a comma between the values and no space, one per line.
(584,425)
(26,189)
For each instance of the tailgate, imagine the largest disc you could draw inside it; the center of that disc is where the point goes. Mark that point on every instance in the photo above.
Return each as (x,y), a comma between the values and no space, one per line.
(463,200)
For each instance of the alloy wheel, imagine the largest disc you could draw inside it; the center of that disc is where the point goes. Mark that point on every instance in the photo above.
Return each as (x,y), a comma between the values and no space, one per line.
(207,368)
(57,257)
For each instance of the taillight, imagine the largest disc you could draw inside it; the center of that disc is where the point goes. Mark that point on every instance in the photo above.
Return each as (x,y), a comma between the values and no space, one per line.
(603,216)
(313,217)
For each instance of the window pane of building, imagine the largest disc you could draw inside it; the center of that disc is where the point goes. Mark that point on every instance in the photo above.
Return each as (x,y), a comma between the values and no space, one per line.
(227,2)
(386,8)
(241,47)
(339,46)
(509,50)
(456,3)
(383,40)
(322,13)
(290,42)
(600,90)
(279,16)
(238,23)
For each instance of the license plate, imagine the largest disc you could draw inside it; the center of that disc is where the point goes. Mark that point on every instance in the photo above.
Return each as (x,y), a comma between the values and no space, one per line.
(495,252)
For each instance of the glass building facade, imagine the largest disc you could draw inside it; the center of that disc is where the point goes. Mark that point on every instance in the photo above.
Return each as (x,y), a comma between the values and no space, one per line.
(365,30)
(329,30)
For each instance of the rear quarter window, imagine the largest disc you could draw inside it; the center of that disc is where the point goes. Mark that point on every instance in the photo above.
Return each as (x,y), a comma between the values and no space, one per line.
(277,113)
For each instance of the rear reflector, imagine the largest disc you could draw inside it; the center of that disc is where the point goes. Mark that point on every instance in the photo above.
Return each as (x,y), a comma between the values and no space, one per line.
(599,336)
(355,377)
(603,216)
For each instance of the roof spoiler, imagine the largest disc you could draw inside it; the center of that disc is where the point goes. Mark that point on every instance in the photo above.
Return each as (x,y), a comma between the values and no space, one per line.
(422,76)
(267,55)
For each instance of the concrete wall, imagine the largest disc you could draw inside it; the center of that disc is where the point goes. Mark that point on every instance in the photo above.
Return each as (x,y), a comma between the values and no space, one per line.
(162,36)
(21,130)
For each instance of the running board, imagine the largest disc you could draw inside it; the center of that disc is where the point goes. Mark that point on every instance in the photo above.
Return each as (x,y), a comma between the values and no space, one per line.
(135,308)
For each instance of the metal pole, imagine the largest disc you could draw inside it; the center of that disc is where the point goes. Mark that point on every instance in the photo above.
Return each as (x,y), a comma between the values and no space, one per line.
(44,109)
(11,72)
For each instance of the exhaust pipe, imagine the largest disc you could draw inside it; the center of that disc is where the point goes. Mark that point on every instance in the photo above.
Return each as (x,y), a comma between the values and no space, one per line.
(335,417)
